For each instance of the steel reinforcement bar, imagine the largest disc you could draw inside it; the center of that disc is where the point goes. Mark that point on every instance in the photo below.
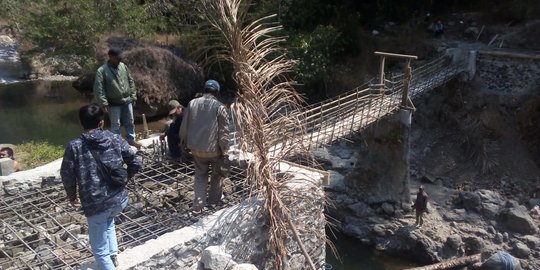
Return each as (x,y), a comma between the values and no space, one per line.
(39,230)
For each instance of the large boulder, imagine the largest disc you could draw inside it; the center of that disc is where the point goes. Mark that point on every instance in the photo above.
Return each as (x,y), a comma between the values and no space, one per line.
(471,201)
(518,220)
(160,75)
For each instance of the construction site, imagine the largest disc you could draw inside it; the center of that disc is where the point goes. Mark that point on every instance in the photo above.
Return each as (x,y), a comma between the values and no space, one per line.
(40,231)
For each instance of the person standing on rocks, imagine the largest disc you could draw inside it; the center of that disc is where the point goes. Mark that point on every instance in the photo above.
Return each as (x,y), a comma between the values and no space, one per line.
(172,131)
(114,90)
(93,165)
(420,205)
(205,131)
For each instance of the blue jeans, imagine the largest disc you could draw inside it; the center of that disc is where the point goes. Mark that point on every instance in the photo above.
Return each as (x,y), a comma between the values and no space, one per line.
(122,115)
(102,233)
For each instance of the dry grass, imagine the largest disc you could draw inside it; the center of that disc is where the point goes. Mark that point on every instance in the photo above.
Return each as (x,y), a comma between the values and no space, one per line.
(260,71)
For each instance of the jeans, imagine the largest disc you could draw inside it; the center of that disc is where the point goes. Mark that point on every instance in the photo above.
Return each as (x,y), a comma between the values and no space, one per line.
(102,233)
(122,115)
(201,181)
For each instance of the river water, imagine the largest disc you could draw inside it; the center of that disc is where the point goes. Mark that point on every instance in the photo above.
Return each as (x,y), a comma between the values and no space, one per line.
(48,111)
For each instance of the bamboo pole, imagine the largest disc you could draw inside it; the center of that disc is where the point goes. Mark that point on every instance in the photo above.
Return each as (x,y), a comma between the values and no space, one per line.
(145,126)
(450,264)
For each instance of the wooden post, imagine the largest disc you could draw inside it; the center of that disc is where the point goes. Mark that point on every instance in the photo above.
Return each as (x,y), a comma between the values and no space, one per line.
(145,126)
(406,76)
(381,72)
(406,82)
(451,264)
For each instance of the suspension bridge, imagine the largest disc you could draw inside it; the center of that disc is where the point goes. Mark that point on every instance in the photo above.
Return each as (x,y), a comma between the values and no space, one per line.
(339,117)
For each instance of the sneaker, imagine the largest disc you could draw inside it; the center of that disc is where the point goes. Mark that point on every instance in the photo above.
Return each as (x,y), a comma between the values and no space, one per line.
(114,260)
(135,144)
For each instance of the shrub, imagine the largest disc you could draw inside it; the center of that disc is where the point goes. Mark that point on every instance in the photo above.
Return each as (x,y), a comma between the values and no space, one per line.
(37,153)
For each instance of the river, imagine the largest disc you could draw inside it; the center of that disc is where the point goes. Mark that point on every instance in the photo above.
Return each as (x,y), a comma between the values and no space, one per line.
(43,111)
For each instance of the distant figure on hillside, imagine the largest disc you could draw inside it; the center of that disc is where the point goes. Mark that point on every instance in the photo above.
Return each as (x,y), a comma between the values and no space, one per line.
(420,205)
(205,131)
(94,178)
(7,152)
(438,28)
(172,131)
(114,90)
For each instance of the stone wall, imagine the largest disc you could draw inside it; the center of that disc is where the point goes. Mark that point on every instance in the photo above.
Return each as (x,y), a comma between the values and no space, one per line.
(240,234)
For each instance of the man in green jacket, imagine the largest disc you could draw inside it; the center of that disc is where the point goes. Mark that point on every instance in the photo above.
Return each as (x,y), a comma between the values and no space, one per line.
(115,92)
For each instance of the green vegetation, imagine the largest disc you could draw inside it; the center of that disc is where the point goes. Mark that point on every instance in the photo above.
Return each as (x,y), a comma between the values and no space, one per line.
(37,153)
(324,36)
(75,26)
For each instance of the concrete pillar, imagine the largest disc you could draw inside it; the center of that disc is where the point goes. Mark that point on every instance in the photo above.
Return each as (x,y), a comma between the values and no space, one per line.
(6,166)
(383,170)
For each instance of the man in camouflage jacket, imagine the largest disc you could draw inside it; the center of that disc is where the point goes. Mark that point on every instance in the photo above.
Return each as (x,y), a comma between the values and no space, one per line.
(100,201)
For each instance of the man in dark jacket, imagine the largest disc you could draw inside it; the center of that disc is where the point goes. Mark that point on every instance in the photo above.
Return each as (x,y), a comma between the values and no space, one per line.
(172,131)
(205,131)
(420,205)
(100,200)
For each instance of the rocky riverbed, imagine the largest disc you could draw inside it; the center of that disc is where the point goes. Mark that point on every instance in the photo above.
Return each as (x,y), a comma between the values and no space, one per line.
(459,223)
(467,148)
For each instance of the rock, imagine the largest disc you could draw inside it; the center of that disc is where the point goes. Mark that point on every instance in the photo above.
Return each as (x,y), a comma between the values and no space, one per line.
(506,237)
(454,241)
(6,41)
(337,182)
(490,196)
(11,190)
(491,230)
(71,231)
(472,30)
(406,207)
(533,202)
(499,238)
(379,230)
(473,245)
(455,215)
(471,201)
(521,250)
(532,241)
(361,209)
(495,262)
(517,219)
(215,258)
(428,179)
(244,266)
(490,210)
(388,208)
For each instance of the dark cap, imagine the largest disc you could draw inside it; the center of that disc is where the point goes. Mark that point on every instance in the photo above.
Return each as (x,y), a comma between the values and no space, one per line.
(117,52)
(172,106)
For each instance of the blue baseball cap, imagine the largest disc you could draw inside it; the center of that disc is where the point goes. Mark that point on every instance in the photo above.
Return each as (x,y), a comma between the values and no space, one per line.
(211,85)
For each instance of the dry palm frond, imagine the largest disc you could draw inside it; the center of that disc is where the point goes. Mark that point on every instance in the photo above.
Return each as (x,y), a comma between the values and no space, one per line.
(260,71)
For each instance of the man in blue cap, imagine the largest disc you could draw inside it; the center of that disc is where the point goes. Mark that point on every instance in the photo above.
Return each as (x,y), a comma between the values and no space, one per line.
(205,131)
(114,90)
